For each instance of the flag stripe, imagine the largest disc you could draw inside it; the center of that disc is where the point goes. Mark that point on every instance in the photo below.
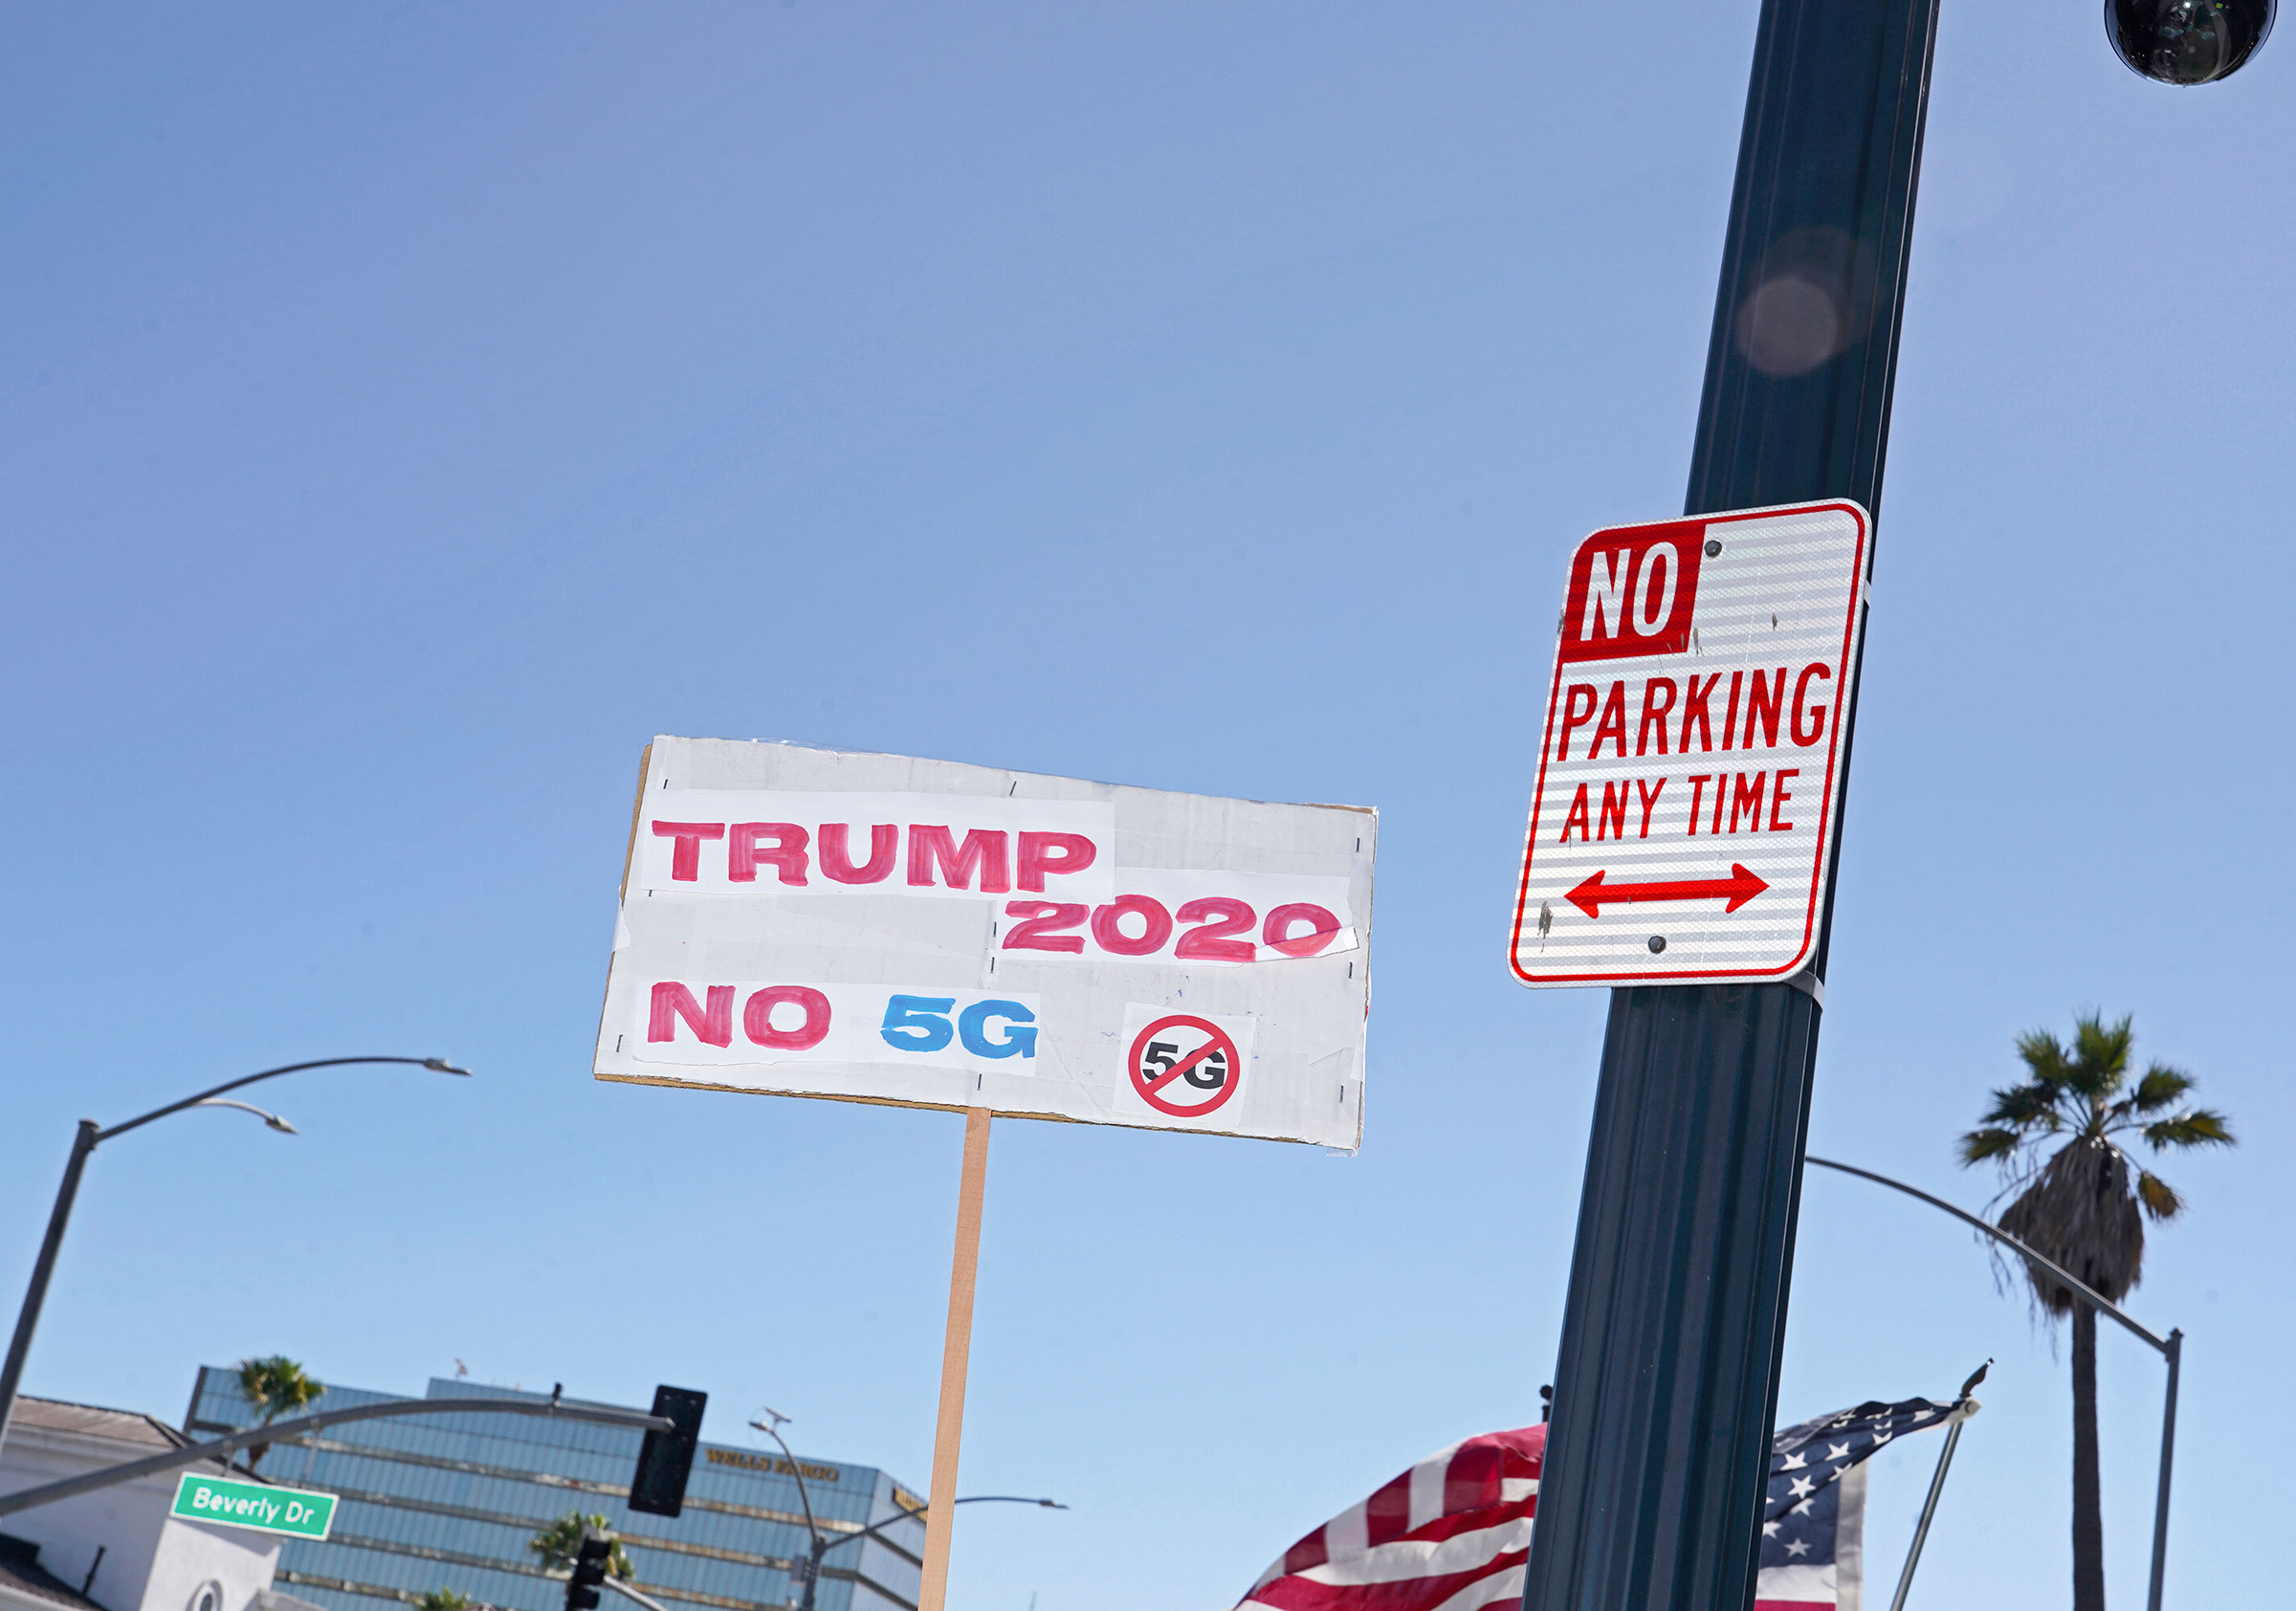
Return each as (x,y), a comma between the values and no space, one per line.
(1419,1557)
(1430,1487)
(1409,1594)
(1454,1531)
(1451,1534)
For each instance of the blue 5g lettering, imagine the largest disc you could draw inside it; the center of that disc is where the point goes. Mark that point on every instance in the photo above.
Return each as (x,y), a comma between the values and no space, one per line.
(922,1023)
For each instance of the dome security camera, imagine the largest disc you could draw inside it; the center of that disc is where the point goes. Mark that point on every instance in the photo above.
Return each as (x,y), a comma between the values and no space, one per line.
(2187,41)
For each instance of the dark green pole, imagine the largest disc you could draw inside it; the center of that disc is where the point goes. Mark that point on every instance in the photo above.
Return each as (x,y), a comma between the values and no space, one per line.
(1667,1377)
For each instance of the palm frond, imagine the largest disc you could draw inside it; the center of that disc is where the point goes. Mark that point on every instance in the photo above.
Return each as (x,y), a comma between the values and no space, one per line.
(2085,1204)
(559,1541)
(2030,1105)
(2196,1127)
(2099,1056)
(1980,1145)
(2160,1199)
(2045,1056)
(2160,1088)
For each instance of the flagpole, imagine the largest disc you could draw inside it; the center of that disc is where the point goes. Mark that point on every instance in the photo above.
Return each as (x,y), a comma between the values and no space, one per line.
(956,1346)
(1929,1509)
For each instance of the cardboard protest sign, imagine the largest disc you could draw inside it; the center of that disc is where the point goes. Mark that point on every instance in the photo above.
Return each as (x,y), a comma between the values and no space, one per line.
(876,928)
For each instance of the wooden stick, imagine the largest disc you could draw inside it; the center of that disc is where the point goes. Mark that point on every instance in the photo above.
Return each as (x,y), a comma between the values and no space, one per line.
(948,1430)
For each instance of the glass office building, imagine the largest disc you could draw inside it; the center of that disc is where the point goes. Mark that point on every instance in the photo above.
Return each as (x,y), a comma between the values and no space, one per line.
(450,1502)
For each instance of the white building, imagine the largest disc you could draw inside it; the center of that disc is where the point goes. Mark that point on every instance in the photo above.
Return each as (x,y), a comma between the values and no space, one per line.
(116,1549)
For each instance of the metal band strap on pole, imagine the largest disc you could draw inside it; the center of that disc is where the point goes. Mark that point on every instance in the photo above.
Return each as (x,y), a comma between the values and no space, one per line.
(280,1431)
(2170,1347)
(948,1430)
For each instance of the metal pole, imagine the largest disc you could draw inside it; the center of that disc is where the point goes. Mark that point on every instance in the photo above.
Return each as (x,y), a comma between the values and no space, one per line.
(2079,1287)
(84,1142)
(904,1513)
(1929,1510)
(2171,1347)
(628,1593)
(28,1317)
(1666,1380)
(280,1431)
(772,1430)
(2168,1458)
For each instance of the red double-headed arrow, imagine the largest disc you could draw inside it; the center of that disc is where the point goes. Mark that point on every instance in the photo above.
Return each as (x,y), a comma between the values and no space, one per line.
(1740,887)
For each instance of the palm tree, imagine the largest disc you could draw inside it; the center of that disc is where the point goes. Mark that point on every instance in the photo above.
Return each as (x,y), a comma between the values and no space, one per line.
(446,1600)
(556,1543)
(2053,1137)
(274,1385)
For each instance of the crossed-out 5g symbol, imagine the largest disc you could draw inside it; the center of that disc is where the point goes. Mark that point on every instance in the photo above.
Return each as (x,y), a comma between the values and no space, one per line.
(1184,1066)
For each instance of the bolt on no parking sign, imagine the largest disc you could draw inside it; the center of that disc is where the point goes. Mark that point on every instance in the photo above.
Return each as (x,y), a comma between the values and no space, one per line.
(1682,825)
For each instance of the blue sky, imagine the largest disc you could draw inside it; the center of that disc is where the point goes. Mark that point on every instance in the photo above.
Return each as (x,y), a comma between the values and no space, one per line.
(406,410)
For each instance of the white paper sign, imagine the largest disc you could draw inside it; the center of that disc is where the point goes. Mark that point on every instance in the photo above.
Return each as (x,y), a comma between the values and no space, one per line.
(752,842)
(877,928)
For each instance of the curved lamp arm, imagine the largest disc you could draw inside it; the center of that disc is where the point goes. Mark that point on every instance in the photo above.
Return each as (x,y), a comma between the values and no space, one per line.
(917,1515)
(274,1120)
(438,1064)
(84,1143)
(806,1500)
(2080,1289)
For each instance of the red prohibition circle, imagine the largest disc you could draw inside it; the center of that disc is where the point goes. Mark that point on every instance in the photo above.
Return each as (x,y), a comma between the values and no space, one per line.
(1220,1038)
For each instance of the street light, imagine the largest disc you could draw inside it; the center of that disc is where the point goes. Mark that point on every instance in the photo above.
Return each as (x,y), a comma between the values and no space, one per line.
(90,1136)
(819,1546)
(2171,1349)
(271,1119)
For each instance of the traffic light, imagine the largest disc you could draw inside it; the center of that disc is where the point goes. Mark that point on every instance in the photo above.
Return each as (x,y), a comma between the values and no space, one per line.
(658,1488)
(590,1561)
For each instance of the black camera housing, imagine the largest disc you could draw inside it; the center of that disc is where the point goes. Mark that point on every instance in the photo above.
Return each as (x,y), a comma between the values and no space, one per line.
(2188,41)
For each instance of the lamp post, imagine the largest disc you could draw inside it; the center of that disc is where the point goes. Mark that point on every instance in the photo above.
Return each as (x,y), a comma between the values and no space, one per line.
(89,1138)
(819,1546)
(2171,1349)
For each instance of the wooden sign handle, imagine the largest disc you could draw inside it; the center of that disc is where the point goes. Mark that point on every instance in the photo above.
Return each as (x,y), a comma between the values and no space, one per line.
(948,1428)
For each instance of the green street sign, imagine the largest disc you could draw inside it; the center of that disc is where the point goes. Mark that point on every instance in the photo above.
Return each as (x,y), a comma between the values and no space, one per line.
(297,1513)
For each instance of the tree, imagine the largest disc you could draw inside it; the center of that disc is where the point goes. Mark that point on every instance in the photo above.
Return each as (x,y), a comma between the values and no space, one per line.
(556,1543)
(274,1385)
(446,1599)
(2072,1200)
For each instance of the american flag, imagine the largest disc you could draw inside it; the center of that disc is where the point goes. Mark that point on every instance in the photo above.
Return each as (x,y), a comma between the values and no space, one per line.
(1449,1535)
(1813,1517)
